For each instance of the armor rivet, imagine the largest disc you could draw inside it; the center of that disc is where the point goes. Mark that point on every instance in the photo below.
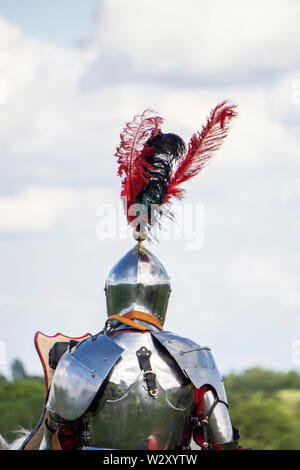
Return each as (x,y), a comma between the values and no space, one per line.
(93,373)
(181,353)
(105,358)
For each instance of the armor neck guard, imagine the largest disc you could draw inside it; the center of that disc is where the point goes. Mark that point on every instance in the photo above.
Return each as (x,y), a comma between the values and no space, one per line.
(130,319)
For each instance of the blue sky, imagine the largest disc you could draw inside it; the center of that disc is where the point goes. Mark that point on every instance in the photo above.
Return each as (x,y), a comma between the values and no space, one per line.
(71,75)
(58,21)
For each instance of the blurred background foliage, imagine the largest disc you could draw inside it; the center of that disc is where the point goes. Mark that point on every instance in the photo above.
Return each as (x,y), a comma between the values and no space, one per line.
(264,406)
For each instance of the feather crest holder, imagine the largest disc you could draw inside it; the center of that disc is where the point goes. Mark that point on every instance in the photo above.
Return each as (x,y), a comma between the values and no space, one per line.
(154,165)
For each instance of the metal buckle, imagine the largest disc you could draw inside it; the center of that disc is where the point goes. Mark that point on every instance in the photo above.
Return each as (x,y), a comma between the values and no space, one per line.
(149,372)
(196,422)
(108,327)
(153,393)
(205,420)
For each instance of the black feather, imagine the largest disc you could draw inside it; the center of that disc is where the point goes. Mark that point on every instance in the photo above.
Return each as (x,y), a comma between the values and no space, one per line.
(169,148)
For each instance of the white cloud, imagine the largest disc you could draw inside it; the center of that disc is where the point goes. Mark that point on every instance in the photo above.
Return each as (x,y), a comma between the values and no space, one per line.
(40,209)
(256,139)
(198,40)
(290,190)
(284,99)
(43,111)
(48,114)
(259,275)
(61,111)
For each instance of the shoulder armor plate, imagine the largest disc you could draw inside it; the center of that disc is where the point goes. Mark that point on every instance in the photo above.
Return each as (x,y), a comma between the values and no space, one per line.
(196,362)
(79,375)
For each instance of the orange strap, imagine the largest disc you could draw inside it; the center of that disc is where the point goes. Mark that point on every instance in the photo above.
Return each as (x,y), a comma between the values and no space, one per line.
(135,314)
(128,318)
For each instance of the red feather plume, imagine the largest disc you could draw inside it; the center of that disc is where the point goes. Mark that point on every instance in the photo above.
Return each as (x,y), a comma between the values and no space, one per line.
(201,147)
(132,153)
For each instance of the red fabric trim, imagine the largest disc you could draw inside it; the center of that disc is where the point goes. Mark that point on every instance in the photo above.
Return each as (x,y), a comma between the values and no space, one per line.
(131,331)
(36,344)
(42,360)
(152,443)
(198,412)
(69,444)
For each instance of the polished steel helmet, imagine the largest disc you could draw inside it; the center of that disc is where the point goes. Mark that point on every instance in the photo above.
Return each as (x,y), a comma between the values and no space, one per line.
(138,282)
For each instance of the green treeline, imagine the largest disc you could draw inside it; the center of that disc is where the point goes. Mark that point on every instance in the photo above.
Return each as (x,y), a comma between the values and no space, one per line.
(264,406)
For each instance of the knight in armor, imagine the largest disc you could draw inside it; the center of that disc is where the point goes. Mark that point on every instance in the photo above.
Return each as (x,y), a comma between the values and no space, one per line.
(135,385)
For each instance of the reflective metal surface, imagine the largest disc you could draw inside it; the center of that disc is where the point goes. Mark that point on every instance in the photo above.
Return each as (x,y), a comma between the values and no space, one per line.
(195,361)
(126,416)
(219,422)
(138,282)
(123,415)
(80,374)
(46,443)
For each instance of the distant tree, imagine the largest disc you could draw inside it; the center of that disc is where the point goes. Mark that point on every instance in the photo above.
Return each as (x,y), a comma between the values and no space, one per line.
(256,379)
(21,403)
(2,380)
(266,424)
(18,370)
(266,418)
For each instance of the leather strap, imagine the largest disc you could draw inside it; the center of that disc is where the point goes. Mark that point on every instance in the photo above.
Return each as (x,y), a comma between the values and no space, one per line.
(204,424)
(64,435)
(128,322)
(128,318)
(143,355)
(55,442)
(135,314)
